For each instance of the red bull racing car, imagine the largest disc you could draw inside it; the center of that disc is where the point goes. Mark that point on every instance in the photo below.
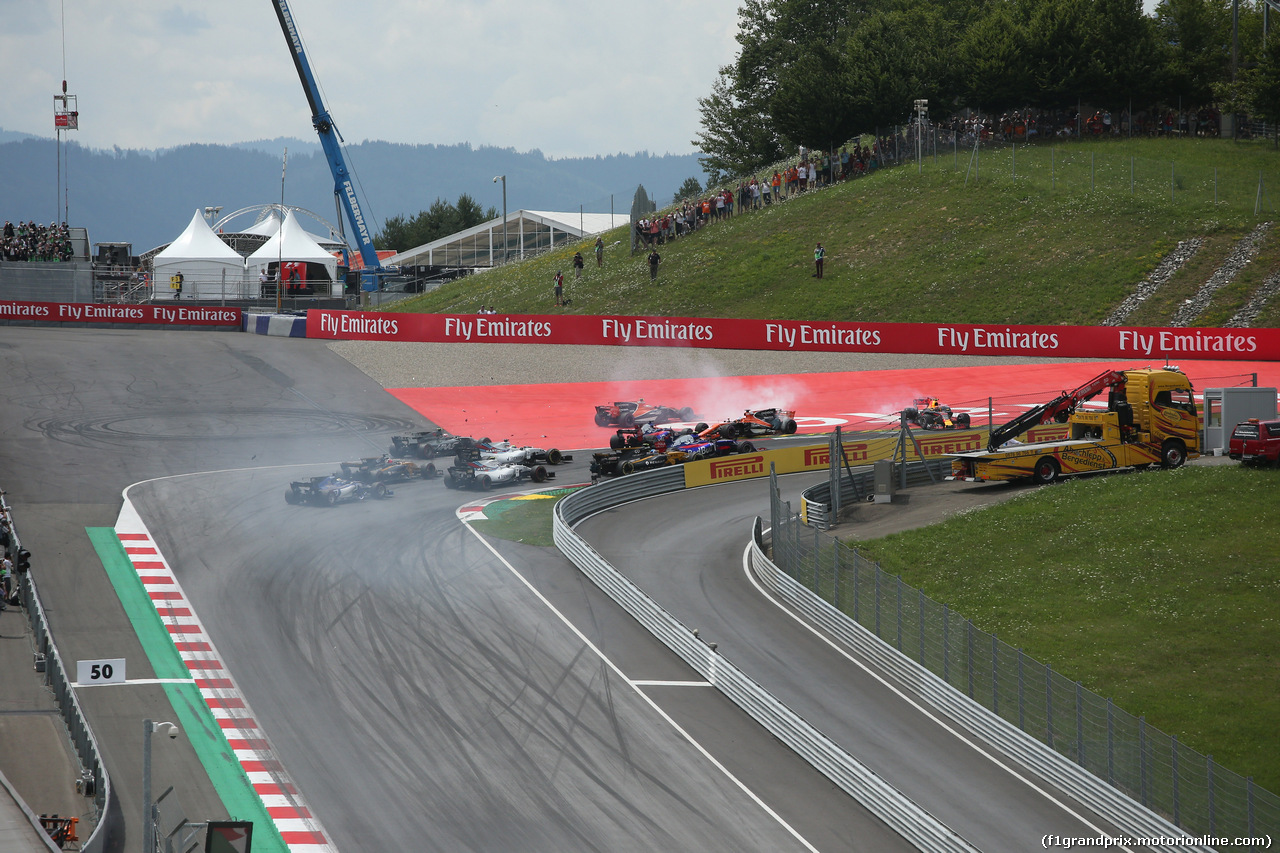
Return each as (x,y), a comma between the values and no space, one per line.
(929,413)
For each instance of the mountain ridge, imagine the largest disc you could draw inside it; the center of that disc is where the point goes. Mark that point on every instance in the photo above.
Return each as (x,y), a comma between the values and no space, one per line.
(146,196)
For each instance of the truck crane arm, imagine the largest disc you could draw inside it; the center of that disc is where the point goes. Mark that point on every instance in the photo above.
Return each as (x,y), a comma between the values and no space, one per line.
(1056,410)
(323,123)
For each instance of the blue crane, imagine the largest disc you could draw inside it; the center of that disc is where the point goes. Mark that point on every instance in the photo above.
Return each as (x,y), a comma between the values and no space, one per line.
(343,189)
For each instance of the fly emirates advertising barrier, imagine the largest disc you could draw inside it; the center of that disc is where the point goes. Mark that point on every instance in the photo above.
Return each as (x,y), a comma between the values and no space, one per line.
(919,338)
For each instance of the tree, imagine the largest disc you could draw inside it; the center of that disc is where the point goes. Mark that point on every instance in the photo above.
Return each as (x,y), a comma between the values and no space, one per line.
(440,220)
(993,56)
(1261,85)
(1196,35)
(737,136)
(689,189)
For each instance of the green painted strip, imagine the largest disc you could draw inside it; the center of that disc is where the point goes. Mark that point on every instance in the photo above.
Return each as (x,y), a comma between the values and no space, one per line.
(197,722)
(151,632)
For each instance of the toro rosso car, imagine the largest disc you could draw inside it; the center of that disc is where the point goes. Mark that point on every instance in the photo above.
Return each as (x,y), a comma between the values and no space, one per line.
(331,490)
(384,469)
(928,413)
(755,422)
(658,438)
(628,414)
(472,471)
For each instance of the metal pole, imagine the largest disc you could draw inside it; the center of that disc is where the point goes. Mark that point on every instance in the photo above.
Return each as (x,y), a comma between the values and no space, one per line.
(148,828)
(284,167)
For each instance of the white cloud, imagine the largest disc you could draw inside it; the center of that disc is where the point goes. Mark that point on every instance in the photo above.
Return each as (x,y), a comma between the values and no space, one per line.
(568,78)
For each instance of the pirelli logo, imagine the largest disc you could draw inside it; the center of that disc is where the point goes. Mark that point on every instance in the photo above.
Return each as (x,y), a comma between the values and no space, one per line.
(956,444)
(853,452)
(738,466)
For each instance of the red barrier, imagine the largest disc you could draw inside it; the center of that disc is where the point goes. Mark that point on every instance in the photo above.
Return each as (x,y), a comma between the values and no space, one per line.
(82,312)
(930,338)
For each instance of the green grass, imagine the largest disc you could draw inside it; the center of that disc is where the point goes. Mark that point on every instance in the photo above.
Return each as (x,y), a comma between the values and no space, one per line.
(1042,234)
(527,521)
(1157,590)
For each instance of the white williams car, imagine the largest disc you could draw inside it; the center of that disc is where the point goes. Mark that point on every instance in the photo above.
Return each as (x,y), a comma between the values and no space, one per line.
(506,452)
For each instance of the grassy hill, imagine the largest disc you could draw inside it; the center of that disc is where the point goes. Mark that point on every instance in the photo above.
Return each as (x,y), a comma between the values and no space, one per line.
(1050,234)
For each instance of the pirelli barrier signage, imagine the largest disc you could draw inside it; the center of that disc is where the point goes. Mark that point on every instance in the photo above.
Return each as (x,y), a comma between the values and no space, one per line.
(790,460)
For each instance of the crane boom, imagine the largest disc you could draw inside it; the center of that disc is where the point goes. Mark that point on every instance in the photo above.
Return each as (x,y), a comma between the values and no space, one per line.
(343,188)
(1058,409)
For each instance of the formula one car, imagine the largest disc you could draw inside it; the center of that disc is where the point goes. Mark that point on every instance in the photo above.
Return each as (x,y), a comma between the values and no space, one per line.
(646,436)
(505,451)
(384,469)
(755,422)
(628,414)
(472,471)
(331,490)
(428,444)
(928,413)
(686,448)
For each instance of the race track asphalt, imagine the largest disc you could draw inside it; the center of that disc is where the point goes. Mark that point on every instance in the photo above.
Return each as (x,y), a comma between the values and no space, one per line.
(419,693)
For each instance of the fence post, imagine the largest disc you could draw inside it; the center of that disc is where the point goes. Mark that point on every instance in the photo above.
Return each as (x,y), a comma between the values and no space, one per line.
(969,652)
(1215,185)
(899,613)
(1248,797)
(1048,703)
(1208,766)
(921,620)
(1053,169)
(946,644)
(1144,795)
(1093,156)
(835,574)
(857,613)
(1173,176)
(1111,742)
(995,675)
(1080,757)
(1173,760)
(817,590)
(1022,727)
(877,592)
(1014,151)
(1131,184)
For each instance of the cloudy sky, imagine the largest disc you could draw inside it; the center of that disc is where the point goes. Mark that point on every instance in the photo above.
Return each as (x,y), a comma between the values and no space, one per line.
(568,78)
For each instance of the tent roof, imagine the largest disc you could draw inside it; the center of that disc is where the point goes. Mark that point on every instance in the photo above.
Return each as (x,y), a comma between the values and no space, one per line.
(291,243)
(199,242)
(268,226)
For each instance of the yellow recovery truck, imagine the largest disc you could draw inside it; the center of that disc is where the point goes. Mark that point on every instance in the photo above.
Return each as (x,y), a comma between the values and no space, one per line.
(1151,418)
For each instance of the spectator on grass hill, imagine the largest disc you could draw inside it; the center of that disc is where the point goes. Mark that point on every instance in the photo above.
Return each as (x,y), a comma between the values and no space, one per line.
(559,288)
(654,260)
(818,255)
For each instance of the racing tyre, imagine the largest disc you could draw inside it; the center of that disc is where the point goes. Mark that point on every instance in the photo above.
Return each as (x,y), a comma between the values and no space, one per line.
(450,482)
(616,442)
(602,419)
(686,414)
(1172,454)
(700,426)
(428,471)
(789,428)
(539,474)
(331,498)
(1046,470)
(379,490)
(485,482)
(729,430)
(746,447)
(627,467)
(289,497)
(554,457)
(627,420)
(962,420)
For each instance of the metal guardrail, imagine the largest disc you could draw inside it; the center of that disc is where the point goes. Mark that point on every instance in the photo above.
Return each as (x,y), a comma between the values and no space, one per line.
(59,681)
(1127,814)
(890,805)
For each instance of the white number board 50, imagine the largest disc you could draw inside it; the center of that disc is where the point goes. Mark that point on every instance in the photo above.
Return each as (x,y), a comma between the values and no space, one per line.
(100,671)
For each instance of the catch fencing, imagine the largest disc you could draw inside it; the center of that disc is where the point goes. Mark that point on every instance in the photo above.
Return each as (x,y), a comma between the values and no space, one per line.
(1153,768)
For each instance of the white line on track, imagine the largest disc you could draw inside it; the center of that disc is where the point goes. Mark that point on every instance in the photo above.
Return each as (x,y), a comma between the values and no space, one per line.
(640,683)
(652,704)
(927,712)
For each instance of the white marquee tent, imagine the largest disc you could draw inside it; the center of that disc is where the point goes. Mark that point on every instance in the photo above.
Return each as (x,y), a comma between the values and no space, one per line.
(210,268)
(292,244)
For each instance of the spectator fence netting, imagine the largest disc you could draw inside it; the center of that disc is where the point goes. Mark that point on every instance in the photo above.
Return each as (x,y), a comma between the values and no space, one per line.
(1185,786)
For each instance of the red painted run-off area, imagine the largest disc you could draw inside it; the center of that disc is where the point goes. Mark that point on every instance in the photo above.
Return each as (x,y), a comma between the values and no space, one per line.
(560,414)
